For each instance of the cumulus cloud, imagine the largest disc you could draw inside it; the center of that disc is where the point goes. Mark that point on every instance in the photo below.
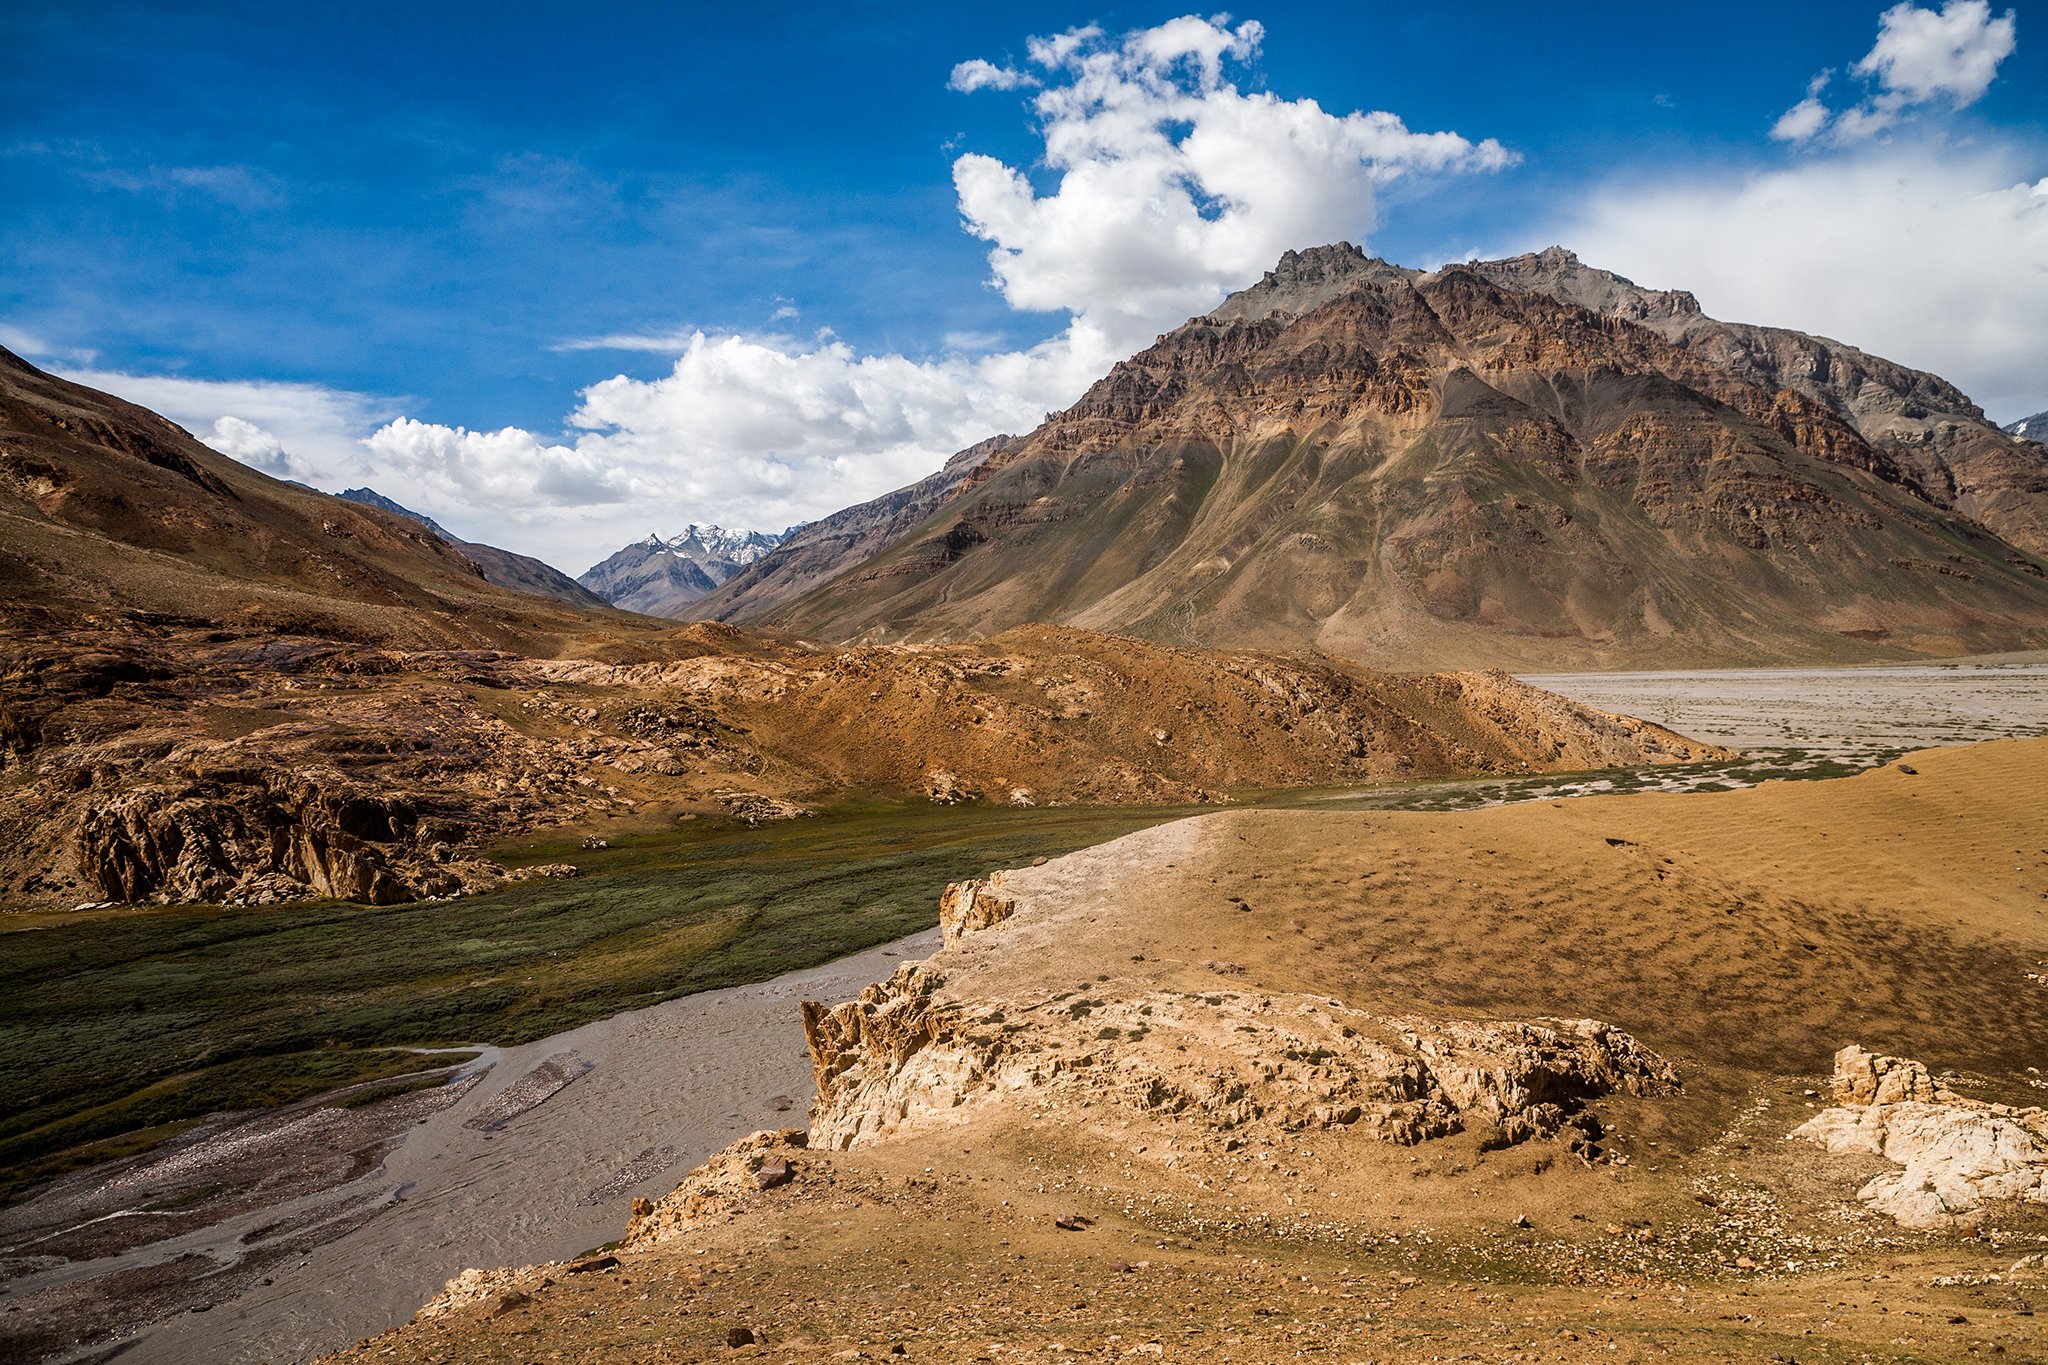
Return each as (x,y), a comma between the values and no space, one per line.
(1921,57)
(1173,184)
(756,432)
(252,445)
(505,467)
(979,74)
(1926,255)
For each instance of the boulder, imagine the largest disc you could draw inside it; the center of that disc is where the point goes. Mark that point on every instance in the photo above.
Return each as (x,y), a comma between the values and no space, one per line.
(1955,1154)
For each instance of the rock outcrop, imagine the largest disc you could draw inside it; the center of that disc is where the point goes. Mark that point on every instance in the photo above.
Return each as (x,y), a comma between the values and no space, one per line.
(260,836)
(969,907)
(1220,1063)
(1956,1154)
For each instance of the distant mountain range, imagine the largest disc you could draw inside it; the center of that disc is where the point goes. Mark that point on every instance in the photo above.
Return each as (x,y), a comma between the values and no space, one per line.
(665,577)
(1524,462)
(2033,428)
(521,573)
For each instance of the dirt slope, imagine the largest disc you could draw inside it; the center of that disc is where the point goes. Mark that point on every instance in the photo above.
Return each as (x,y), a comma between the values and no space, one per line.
(1016,1171)
(111,514)
(211,766)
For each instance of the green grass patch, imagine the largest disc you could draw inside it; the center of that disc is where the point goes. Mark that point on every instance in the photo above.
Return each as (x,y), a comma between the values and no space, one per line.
(116,1032)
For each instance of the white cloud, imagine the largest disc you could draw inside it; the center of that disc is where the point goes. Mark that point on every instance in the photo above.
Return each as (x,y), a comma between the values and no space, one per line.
(977,74)
(1175,186)
(508,469)
(317,431)
(656,343)
(754,432)
(1801,122)
(1921,57)
(252,445)
(32,346)
(1925,255)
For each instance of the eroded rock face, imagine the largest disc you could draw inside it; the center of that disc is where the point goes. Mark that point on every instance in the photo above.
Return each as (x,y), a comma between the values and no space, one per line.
(969,907)
(1956,1154)
(268,836)
(903,1057)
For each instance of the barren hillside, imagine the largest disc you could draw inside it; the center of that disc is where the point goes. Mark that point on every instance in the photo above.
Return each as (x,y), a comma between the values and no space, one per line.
(1509,463)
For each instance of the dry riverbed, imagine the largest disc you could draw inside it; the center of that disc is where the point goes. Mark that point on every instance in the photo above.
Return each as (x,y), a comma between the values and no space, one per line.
(283,1235)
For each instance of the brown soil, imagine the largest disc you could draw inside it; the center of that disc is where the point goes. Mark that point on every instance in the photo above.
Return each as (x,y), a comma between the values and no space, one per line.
(1743,936)
(183,765)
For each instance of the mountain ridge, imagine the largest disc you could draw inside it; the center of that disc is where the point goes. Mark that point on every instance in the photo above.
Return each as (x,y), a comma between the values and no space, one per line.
(506,568)
(663,576)
(1472,465)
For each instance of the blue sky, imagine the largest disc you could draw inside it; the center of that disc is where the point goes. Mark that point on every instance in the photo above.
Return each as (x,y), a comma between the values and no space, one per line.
(586,271)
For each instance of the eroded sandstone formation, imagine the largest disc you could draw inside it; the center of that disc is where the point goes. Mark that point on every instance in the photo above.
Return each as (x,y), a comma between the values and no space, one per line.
(1221,1063)
(1955,1154)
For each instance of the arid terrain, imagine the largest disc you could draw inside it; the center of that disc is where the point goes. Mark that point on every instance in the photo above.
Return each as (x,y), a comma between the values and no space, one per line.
(369,892)
(1263,1083)
(184,766)
(1528,463)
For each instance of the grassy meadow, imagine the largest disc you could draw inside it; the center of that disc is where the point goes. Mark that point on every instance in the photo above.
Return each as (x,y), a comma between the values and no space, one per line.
(120,1028)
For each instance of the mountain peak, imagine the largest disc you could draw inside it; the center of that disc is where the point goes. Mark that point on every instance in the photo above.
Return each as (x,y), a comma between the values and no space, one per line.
(662,575)
(1303,281)
(1560,273)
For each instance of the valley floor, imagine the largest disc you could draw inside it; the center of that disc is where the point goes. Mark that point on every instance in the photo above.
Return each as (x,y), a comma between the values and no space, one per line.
(1027,1181)
(1440,929)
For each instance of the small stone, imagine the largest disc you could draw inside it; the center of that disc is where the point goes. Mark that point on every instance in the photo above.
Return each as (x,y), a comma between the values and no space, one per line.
(1071,1222)
(775,1172)
(1522,1221)
(509,1300)
(736,1337)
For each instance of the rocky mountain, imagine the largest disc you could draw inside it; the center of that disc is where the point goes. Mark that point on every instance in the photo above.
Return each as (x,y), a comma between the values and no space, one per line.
(662,577)
(521,573)
(218,686)
(1519,462)
(817,552)
(2033,428)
